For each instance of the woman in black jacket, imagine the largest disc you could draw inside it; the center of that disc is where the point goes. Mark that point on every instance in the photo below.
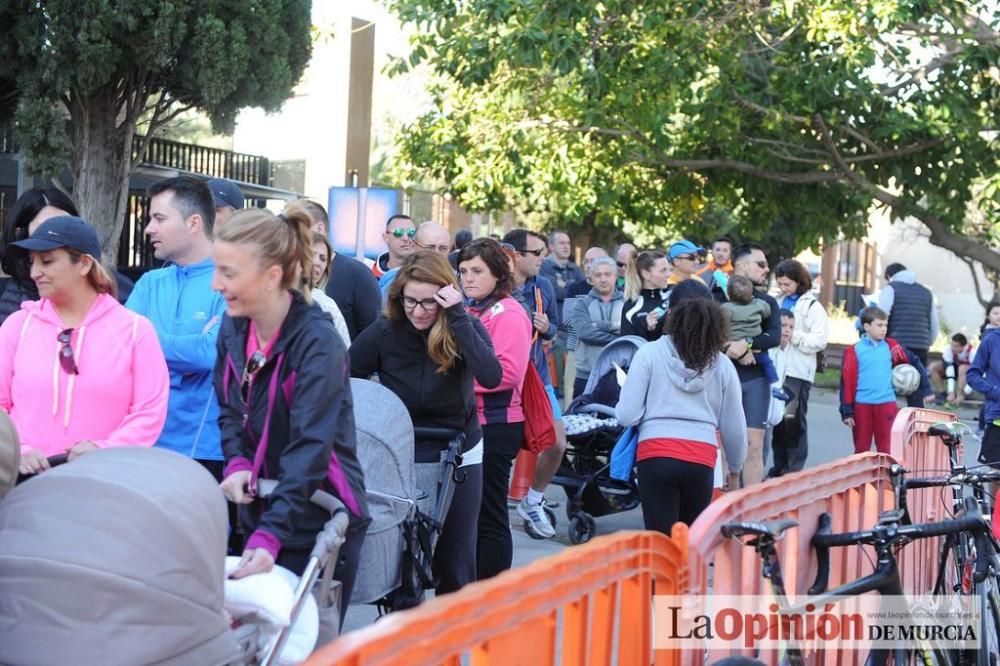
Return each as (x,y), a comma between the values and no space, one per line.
(428,350)
(282,380)
(646,295)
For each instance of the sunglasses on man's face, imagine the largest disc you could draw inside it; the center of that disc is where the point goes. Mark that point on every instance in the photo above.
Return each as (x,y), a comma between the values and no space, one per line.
(687,257)
(537,252)
(399,232)
(66,359)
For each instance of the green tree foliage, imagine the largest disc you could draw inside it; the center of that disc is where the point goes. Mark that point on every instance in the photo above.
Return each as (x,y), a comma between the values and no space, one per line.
(85,73)
(796,116)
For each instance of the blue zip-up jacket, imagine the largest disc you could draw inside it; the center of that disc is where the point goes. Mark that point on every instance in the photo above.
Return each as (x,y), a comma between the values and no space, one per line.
(186,314)
(538,356)
(984,374)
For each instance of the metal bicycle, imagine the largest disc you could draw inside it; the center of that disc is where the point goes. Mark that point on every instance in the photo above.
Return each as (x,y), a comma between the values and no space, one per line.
(886,537)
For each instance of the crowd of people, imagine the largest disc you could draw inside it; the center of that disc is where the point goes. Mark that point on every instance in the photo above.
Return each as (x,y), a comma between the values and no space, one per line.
(238,354)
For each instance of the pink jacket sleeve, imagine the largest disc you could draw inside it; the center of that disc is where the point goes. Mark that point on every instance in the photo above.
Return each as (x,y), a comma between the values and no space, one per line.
(150,390)
(510,332)
(9,334)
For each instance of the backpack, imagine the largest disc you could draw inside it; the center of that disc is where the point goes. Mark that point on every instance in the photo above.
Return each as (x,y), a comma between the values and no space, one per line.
(821,364)
(539,425)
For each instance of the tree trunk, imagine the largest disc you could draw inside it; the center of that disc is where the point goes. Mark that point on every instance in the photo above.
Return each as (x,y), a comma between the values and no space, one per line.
(101,160)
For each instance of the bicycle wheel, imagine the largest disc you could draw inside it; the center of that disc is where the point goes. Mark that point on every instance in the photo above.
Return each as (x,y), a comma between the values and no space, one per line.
(989,622)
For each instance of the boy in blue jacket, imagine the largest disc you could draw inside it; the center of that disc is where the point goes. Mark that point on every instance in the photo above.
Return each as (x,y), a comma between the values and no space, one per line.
(867,399)
(984,376)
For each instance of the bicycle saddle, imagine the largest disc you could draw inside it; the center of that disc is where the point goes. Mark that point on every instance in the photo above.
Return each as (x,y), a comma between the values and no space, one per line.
(771,528)
(945,431)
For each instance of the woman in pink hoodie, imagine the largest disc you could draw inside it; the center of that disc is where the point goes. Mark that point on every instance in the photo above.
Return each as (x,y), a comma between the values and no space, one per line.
(78,371)
(487,282)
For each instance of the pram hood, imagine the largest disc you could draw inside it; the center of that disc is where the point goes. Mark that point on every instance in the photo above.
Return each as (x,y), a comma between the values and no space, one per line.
(618,352)
(10,450)
(116,557)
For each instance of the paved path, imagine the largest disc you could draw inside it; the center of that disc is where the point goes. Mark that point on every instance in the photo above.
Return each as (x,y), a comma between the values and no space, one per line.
(829,440)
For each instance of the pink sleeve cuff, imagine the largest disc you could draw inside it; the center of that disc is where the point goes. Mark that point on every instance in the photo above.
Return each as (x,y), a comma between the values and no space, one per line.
(237,464)
(266,540)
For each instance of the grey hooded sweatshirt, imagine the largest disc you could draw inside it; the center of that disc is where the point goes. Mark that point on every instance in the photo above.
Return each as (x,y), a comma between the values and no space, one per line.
(668,400)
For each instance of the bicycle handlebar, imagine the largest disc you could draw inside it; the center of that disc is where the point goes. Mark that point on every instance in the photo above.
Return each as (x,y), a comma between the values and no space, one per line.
(885,535)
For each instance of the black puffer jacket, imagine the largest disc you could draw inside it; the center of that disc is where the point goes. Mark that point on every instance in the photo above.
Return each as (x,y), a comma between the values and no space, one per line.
(310,440)
(13,292)
(398,353)
(635,310)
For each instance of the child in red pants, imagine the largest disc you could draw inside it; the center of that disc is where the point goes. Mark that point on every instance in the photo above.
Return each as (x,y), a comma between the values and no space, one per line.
(867,399)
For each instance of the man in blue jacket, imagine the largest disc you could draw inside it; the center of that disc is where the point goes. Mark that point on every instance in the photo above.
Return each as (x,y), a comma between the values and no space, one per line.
(984,376)
(186,314)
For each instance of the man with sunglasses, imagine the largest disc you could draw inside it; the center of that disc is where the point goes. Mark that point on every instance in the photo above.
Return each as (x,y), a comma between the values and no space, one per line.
(750,262)
(430,236)
(539,297)
(398,237)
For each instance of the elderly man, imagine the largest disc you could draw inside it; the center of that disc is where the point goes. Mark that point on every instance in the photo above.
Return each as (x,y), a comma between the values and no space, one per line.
(429,236)
(583,286)
(595,319)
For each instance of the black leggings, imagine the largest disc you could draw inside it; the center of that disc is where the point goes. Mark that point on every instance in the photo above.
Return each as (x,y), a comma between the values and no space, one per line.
(455,553)
(494,545)
(673,490)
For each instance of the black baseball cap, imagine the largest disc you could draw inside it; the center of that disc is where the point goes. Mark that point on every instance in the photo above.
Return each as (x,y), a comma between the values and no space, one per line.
(226,193)
(63,231)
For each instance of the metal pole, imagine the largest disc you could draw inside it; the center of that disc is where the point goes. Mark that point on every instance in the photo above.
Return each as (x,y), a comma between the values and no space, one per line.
(359,248)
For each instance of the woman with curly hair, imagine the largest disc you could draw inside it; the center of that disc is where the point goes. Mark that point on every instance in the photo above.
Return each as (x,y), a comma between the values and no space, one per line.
(680,391)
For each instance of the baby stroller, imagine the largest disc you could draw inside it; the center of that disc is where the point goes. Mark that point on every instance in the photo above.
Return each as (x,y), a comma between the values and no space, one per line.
(118,558)
(591,433)
(408,502)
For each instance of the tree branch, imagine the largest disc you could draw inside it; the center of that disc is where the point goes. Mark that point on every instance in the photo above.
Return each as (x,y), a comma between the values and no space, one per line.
(975,281)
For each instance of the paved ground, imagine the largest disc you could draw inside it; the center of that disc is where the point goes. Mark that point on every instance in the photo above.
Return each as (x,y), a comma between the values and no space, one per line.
(829,439)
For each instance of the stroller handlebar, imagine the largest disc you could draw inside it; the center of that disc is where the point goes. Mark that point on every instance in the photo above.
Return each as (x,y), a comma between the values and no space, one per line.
(446,434)
(321,498)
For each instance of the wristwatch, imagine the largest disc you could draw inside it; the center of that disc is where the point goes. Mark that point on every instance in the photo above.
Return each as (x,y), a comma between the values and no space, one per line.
(749,342)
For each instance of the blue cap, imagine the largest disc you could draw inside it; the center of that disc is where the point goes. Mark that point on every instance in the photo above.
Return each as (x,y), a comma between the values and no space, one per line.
(63,231)
(226,193)
(684,247)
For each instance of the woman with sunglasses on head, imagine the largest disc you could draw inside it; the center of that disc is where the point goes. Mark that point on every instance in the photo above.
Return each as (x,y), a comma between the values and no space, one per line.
(487,281)
(647,275)
(284,396)
(428,350)
(78,371)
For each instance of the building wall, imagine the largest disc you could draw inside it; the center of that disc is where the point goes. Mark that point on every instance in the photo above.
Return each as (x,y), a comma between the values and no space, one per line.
(938,269)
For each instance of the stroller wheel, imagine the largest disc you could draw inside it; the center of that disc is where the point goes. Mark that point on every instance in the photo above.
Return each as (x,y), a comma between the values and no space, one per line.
(581,528)
(530,529)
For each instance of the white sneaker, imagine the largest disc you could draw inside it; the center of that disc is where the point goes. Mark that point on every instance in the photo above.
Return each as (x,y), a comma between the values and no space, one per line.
(539,519)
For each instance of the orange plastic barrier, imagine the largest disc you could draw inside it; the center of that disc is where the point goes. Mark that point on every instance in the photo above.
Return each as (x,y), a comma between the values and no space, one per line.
(589,605)
(922,455)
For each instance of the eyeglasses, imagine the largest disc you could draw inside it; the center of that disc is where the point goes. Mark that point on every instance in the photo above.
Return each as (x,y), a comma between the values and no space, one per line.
(688,257)
(621,264)
(443,249)
(399,232)
(253,366)
(427,304)
(66,359)
(537,252)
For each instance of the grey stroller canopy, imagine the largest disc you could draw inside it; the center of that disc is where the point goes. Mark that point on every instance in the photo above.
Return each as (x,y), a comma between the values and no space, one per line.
(116,557)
